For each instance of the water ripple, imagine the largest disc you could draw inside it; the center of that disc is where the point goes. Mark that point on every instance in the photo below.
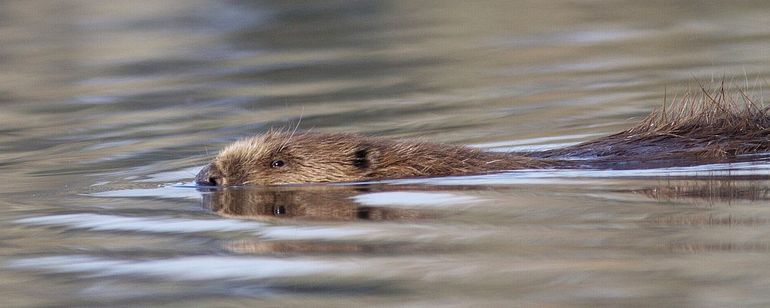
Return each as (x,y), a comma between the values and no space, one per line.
(183,268)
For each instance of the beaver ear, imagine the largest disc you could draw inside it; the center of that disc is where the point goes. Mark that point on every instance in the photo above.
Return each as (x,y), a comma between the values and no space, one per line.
(364,157)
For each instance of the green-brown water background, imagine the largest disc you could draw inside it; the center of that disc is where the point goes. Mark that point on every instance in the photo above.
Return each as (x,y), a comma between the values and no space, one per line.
(105,106)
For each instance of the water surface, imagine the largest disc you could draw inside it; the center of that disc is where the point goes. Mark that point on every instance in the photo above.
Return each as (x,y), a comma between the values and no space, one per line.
(110,108)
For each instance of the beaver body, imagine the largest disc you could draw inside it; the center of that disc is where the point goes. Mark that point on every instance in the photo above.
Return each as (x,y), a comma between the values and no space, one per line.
(284,158)
(700,130)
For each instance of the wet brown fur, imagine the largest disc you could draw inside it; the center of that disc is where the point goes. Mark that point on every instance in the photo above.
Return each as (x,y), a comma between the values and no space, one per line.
(705,126)
(699,128)
(338,157)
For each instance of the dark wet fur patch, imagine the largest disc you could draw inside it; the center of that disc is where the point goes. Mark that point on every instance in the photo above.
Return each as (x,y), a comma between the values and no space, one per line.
(361,159)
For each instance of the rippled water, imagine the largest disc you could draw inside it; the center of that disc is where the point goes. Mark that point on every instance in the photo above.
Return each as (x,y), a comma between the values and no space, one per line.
(109,108)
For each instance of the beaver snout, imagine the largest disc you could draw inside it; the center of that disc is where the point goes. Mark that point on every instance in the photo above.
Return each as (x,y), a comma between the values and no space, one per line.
(206,177)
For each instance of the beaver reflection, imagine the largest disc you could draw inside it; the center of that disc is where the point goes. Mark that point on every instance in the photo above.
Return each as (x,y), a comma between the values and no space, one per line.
(319,203)
(335,203)
(328,203)
(711,203)
(709,190)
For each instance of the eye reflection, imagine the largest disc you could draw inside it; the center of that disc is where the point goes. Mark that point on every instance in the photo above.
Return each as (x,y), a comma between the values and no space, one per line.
(323,204)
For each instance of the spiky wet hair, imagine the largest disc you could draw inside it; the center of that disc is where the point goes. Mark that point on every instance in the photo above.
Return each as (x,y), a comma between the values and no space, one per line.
(703,125)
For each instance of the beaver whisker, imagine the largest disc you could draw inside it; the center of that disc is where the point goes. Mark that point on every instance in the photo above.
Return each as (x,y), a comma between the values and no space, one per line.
(294,131)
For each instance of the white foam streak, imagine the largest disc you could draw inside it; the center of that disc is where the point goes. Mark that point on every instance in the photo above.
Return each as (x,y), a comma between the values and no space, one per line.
(412,199)
(143,224)
(577,176)
(183,268)
(167,192)
(98,222)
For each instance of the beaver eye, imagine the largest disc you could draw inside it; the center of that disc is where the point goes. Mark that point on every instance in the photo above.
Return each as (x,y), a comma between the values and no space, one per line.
(277,164)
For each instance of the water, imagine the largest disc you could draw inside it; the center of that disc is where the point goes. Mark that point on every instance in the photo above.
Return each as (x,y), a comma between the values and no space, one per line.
(110,108)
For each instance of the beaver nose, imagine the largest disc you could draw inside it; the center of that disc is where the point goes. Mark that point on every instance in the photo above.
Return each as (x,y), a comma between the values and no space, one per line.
(206,178)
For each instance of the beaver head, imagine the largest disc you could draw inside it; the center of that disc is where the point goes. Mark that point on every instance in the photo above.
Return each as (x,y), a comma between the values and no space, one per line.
(286,158)
(283,158)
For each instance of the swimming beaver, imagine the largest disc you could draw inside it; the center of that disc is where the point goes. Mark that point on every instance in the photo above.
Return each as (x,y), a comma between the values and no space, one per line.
(701,129)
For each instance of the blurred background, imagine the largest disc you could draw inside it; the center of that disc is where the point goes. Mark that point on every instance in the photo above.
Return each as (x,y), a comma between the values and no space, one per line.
(113,86)
(102,102)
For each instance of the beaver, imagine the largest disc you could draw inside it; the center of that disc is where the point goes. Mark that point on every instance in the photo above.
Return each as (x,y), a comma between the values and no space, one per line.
(699,129)
(282,158)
